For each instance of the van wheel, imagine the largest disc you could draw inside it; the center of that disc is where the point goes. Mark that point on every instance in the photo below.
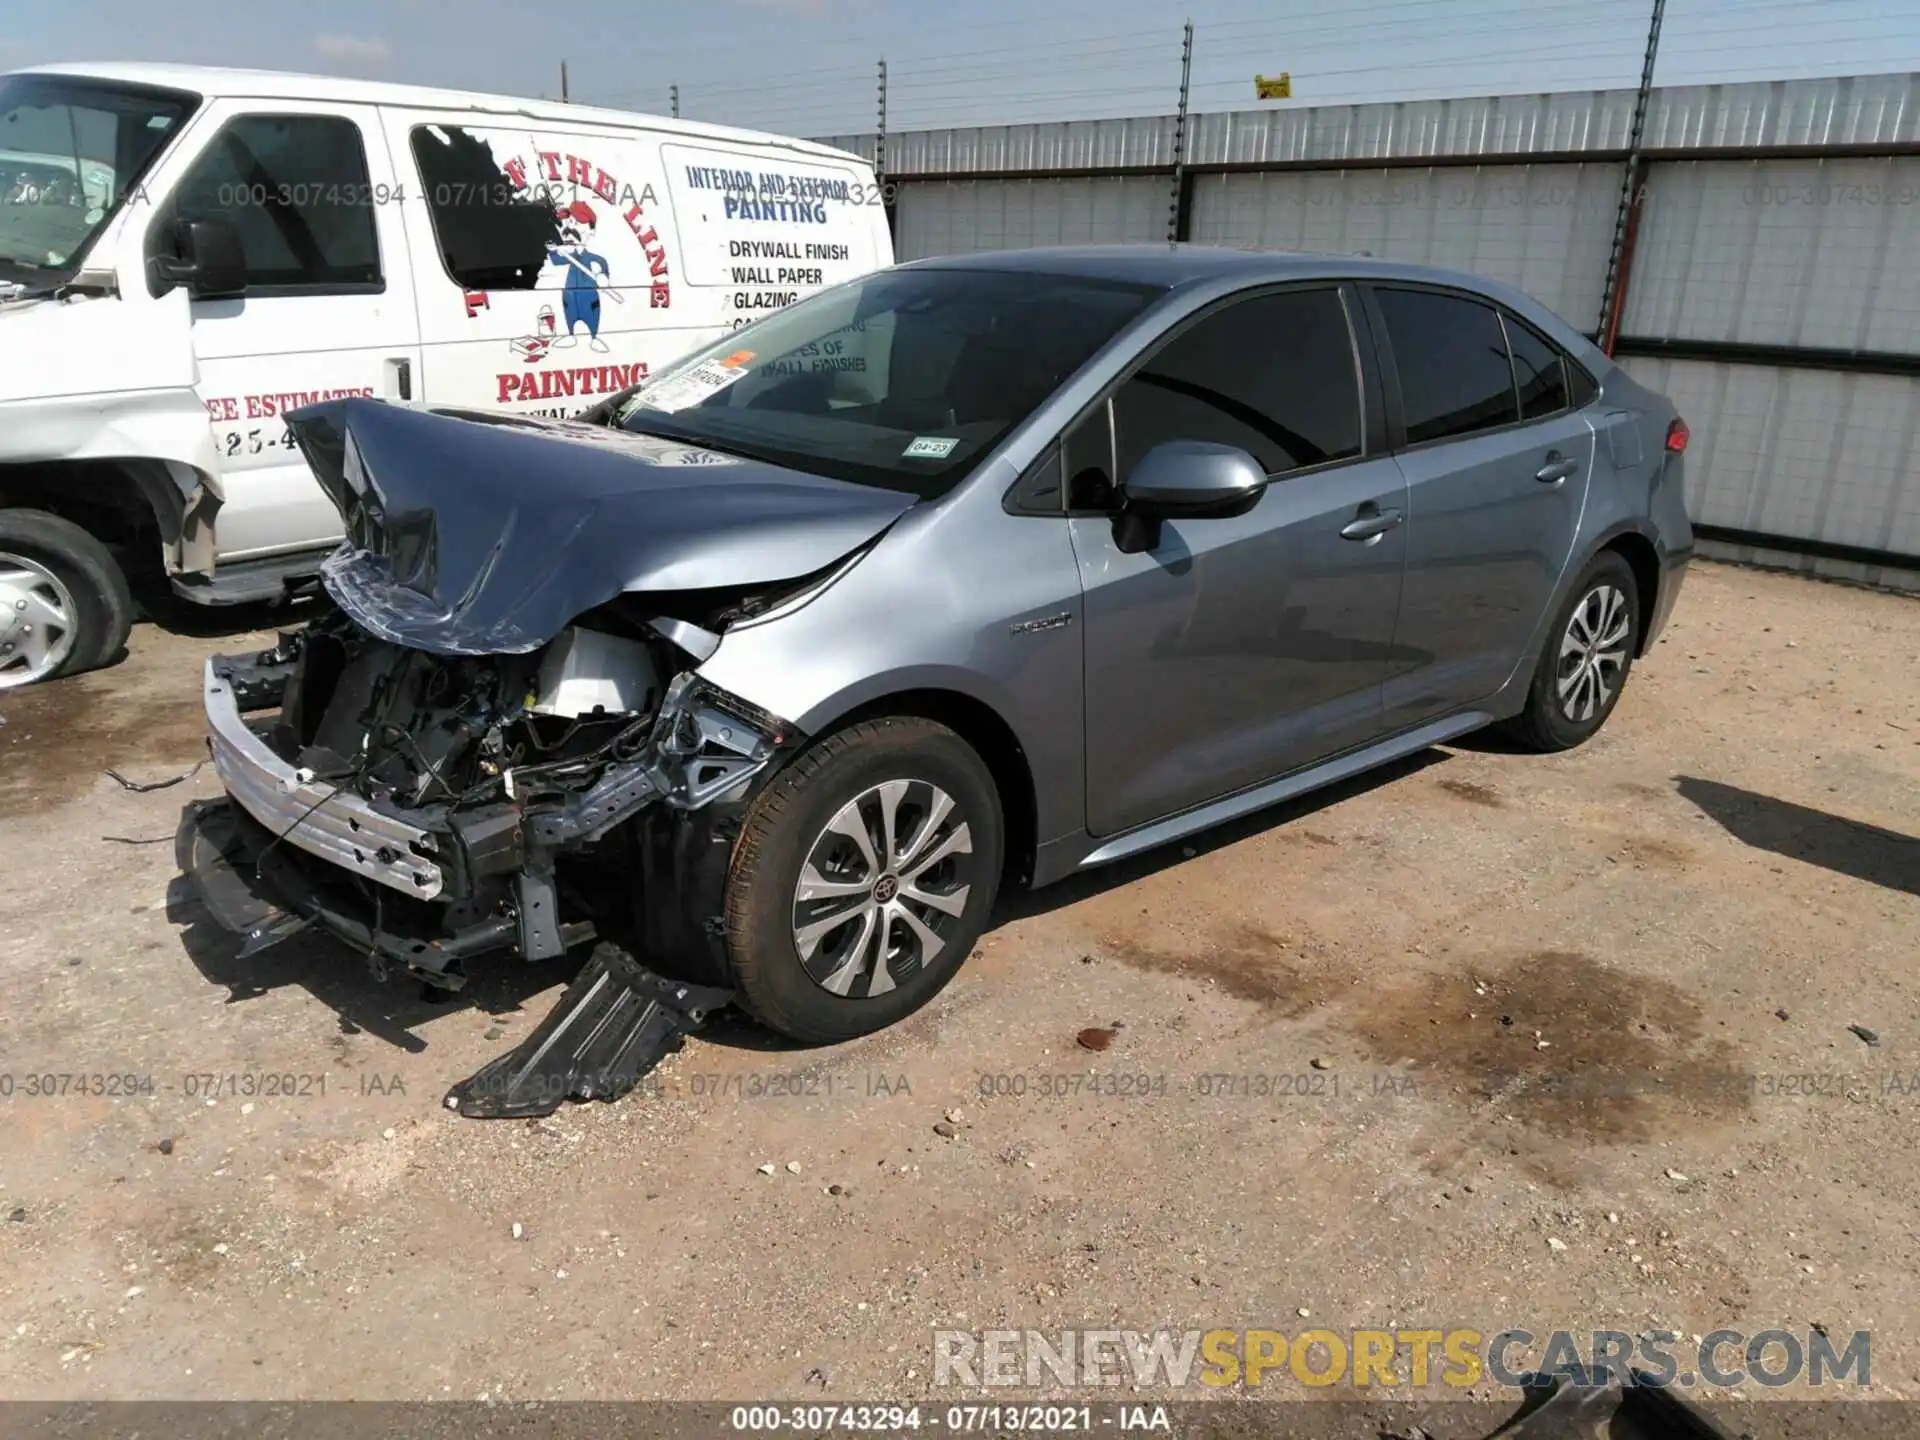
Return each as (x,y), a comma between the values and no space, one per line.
(1585,661)
(862,878)
(64,602)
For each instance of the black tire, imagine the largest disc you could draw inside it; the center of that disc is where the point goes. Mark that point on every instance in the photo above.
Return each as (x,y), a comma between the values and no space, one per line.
(103,605)
(779,837)
(1546,724)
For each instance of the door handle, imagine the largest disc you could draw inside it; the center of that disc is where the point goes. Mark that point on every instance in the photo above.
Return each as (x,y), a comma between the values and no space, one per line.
(1557,468)
(400,372)
(1370,524)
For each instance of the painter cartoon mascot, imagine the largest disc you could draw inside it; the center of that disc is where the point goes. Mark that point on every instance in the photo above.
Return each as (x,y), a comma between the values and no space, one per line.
(580,297)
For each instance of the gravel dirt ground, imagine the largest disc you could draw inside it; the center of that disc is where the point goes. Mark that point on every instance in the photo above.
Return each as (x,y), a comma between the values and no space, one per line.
(1486,1040)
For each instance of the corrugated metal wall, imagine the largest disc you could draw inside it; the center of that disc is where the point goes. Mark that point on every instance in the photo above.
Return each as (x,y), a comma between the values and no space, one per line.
(1800,453)
(954,217)
(1543,228)
(1782,214)
(1810,252)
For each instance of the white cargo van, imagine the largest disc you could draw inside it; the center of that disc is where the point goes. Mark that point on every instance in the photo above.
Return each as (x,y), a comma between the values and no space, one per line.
(188,253)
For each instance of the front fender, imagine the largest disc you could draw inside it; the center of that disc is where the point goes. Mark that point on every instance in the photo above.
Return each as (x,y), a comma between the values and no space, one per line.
(160,437)
(982,605)
(169,426)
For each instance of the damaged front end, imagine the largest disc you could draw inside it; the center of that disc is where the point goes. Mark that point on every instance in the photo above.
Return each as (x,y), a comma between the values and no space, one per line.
(499,741)
(427,809)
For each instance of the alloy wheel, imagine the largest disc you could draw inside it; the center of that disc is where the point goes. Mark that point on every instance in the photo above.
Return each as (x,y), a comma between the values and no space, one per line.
(883,888)
(39,621)
(1593,653)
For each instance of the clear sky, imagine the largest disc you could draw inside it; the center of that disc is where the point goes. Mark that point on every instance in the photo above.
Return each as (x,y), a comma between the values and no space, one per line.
(808,66)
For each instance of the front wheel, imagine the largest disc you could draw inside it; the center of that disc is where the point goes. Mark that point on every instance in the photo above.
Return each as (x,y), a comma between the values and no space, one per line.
(1585,661)
(862,878)
(64,602)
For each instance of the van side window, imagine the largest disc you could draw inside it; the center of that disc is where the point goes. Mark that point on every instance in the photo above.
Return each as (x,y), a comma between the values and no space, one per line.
(296,189)
(492,235)
(1451,356)
(1539,371)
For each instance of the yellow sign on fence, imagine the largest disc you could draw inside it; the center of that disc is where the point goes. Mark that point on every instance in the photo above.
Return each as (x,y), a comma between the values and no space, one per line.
(1273,87)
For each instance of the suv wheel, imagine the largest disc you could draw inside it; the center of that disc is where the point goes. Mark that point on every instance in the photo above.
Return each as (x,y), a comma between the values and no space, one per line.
(64,603)
(1586,659)
(862,878)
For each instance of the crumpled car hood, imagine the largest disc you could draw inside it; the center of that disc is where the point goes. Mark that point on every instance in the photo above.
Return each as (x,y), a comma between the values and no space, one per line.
(470,533)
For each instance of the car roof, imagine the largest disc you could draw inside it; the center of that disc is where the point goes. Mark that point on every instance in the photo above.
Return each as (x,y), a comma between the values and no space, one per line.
(214,82)
(1173,266)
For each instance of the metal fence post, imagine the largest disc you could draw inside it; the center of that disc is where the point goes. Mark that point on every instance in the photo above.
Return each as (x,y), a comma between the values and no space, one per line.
(1179,210)
(1613,297)
(880,152)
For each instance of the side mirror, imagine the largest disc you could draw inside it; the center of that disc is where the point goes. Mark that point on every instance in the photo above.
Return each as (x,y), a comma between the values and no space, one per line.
(209,260)
(1194,479)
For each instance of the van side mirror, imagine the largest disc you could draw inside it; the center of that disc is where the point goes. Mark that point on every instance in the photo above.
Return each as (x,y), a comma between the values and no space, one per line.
(208,259)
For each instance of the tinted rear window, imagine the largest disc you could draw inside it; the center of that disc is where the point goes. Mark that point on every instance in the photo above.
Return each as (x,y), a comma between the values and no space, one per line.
(1539,373)
(1451,355)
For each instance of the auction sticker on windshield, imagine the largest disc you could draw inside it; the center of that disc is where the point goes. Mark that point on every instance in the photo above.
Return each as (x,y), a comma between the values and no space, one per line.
(691,386)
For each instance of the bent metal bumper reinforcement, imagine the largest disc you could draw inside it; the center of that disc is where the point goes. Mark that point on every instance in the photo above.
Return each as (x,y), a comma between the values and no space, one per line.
(311,814)
(614,1024)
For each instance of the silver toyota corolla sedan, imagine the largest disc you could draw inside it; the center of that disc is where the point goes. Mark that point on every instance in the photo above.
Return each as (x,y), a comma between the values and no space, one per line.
(770,676)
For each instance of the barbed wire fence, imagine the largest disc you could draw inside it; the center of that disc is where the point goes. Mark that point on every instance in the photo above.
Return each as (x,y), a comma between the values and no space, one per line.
(1000,76)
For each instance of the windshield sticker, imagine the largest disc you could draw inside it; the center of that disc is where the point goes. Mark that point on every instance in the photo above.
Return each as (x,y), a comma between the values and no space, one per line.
(930,447)
(691,386)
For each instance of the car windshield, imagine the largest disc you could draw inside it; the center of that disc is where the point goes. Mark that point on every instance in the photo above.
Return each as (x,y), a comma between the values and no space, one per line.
(71,153)
(903,379)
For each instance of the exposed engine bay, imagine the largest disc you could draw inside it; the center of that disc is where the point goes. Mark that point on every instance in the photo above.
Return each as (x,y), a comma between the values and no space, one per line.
(522,782)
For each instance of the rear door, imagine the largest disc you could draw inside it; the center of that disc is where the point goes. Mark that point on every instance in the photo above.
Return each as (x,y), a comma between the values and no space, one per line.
(328,310)
(1497,464)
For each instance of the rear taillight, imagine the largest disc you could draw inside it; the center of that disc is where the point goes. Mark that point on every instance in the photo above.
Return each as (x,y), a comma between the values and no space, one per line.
(1677,436)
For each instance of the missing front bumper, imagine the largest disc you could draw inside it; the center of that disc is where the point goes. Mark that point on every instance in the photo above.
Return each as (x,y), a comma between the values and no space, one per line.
(315,815)
(614,1023)
(266,892)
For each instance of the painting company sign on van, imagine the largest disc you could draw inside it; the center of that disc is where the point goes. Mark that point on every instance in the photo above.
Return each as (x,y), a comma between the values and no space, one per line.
(768,233)
(575,333)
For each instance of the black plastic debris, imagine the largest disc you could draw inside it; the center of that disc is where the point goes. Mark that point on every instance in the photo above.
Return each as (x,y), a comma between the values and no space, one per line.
(614,1024)
(1593,1406)
(150,786)
(215,851)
